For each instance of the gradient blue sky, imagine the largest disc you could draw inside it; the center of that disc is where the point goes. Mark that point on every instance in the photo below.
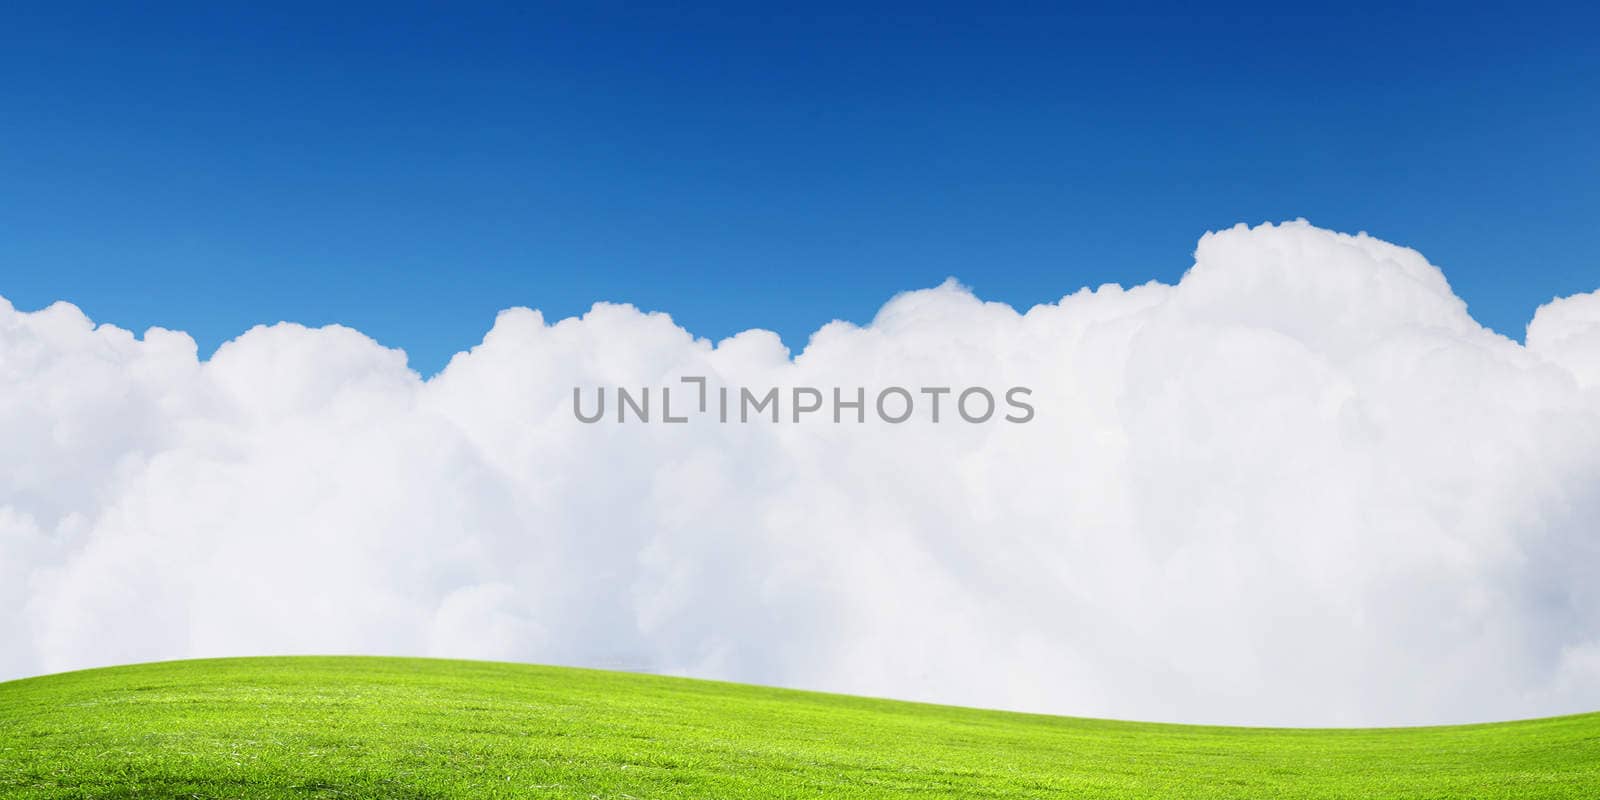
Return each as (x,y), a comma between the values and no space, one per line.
(409,170)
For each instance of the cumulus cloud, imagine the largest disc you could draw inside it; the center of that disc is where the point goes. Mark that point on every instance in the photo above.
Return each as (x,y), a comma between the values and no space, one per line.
(1301,486)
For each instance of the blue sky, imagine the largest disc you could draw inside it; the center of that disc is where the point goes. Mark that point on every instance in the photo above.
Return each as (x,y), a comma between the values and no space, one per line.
(410,170)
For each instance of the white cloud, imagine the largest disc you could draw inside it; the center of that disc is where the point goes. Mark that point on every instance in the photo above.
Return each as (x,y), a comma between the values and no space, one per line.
(1302,486)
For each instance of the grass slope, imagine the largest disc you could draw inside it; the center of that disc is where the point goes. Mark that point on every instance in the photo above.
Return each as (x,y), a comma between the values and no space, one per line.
(414,728)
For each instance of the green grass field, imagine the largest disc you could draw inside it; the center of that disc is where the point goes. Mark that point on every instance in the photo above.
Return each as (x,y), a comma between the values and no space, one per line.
(414,728)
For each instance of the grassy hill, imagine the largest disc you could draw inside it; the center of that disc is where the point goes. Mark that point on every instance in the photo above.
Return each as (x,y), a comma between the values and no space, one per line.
(419,729)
